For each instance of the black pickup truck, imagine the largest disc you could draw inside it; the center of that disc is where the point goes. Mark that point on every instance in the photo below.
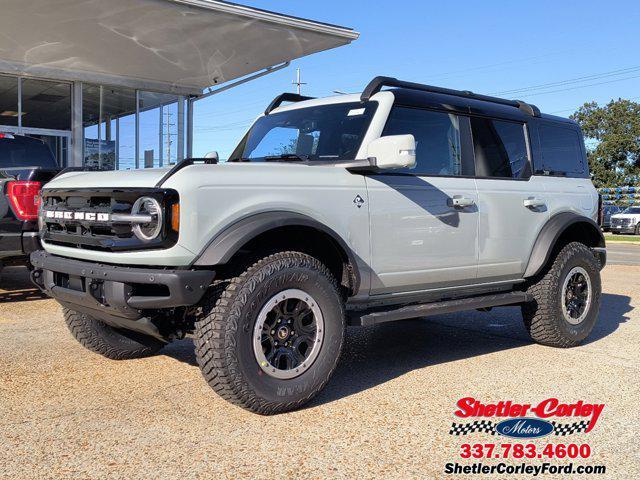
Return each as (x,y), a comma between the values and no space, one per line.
(26,164)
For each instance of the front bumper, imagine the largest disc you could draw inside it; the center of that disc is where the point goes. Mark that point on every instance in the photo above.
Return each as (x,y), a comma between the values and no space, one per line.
(30,242)
(120,296)
(622,228)
(10,245)
(16,247)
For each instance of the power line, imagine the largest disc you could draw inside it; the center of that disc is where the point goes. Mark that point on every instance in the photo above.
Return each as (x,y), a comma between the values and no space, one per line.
(456,73)
(576,108)
(221,129)
(570,81)
(580,86)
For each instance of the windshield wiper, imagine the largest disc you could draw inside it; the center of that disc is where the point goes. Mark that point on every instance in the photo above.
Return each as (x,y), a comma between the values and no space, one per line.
(286,157)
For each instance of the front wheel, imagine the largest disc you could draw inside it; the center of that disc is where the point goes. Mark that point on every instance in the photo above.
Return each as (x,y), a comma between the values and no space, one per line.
(269,339)
(566,299)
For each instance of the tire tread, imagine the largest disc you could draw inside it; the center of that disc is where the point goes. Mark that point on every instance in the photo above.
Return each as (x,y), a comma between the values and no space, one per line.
(107,341)
(540,315)
(214,340)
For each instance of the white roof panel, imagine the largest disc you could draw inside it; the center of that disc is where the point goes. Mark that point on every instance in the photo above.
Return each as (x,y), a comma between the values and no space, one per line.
(178,45)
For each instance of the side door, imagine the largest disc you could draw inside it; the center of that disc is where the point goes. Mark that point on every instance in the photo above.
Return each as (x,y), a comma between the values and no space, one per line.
(512,204)
(424,221)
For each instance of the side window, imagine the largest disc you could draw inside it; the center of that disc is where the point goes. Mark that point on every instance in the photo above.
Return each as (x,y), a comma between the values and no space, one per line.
(438,149)
(500,148)
(560,150)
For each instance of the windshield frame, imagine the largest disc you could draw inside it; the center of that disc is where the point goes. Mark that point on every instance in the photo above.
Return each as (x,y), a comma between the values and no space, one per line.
(371,105)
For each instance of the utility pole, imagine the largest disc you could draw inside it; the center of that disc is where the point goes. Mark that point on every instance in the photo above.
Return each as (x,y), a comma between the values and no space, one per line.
(298,82)
(169,135)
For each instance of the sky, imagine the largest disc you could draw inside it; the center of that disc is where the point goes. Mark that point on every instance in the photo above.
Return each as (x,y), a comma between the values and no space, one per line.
(555,54)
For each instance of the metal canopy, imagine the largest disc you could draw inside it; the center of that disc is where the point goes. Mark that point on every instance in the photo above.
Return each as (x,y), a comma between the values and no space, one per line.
(182,46)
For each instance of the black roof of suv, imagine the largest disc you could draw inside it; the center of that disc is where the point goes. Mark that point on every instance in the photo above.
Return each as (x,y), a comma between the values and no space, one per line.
(18,151)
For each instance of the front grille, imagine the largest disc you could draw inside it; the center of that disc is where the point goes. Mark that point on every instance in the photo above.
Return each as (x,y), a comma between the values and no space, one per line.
(621,222)
(111,235)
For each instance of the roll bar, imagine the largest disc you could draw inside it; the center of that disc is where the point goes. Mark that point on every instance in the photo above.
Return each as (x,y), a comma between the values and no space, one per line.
(377,83)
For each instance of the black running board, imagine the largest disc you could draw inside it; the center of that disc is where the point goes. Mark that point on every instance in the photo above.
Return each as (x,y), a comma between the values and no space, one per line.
(363,319)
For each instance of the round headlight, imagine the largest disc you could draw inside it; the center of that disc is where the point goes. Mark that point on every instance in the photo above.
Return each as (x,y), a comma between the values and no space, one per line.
(147,206)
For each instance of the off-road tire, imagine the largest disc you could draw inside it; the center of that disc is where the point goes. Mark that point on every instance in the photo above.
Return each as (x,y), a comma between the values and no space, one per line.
(224,333)
(109,342)
(543,317)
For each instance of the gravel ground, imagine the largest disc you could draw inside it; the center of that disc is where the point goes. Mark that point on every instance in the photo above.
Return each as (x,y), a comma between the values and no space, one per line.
(68,413)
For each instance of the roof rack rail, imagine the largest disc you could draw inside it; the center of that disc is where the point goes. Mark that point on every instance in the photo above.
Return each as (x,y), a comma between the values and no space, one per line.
(377,83)
(285,97)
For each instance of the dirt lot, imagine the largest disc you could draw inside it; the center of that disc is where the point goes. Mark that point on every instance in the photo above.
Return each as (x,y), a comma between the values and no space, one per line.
(66,412)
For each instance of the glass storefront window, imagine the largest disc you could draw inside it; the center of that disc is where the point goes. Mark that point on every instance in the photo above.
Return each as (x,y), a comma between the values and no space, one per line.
(46,104)
(158,129)
(110,121)
(121,128)
(104,110)
(127,142)
(9,101)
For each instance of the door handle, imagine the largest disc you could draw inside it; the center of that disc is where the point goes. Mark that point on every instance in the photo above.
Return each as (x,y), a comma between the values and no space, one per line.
(534,203)
(458,201)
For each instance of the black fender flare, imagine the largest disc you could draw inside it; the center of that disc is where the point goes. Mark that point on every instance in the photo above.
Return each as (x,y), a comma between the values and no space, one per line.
(227,242)
(550,234)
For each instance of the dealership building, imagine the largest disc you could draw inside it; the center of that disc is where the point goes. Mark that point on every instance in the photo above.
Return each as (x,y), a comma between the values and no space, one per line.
(112,84)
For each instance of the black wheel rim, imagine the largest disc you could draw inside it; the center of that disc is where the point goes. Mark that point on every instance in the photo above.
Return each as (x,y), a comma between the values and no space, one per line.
(288,334)
(576,295)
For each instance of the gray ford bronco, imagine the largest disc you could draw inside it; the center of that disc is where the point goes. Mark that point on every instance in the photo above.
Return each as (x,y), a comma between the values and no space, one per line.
(402,202)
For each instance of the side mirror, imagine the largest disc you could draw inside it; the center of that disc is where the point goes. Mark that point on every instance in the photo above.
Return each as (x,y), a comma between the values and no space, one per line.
(393,151)
(213,155)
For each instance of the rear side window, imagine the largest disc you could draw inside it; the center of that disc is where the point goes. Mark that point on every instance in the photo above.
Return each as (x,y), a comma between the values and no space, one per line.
(437,135)
(25,152)
(500,148)
(561,151)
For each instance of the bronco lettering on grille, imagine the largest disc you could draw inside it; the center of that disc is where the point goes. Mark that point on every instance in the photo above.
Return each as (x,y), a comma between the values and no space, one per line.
(83,216)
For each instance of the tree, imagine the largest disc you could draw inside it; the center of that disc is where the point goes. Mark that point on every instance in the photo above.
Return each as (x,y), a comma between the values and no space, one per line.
(613,138)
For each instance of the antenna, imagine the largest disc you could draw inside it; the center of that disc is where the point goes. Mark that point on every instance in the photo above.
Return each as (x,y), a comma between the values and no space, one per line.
(298,82)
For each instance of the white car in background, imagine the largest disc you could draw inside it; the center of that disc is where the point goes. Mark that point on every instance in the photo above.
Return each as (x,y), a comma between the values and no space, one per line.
(628,221)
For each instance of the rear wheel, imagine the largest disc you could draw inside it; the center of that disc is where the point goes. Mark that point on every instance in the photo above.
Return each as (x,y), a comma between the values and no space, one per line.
(269,339)
(108,341)
(566,299)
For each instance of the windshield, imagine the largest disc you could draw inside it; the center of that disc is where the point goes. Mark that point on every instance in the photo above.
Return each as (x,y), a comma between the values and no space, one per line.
(25,152)
(632,210)
(322,133)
